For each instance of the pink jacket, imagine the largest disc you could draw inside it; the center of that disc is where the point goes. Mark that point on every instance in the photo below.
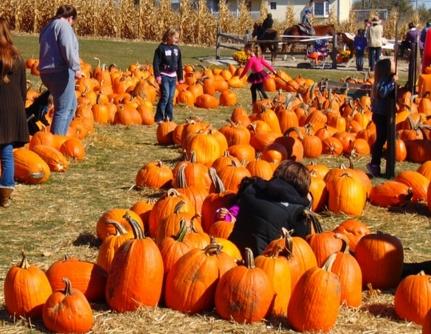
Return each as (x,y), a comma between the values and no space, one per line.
(256,64)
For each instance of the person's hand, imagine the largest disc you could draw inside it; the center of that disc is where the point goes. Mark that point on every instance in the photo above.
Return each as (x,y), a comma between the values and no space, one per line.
(181,81)
(159,80)
(395,77)
(79,74)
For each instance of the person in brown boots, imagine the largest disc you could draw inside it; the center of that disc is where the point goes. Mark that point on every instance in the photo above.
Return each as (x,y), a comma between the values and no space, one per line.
(13,123)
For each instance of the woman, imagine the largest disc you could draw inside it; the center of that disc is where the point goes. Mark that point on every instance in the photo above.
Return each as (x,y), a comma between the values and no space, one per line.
(13,124)
(59,65)
(374,42)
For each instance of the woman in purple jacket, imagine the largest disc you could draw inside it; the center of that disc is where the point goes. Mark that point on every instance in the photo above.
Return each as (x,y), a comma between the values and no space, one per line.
(59,65)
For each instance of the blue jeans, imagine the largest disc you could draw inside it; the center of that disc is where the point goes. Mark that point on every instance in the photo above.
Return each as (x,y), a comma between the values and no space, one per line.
(62,87)
(373,56)
(360,60)
(165,107)
(381,122)
(7,166)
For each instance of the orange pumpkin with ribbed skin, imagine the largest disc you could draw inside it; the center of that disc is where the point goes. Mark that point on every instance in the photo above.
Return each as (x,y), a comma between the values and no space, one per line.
(413,298)
(277,268)
(298,252)
(240,116)
(154,175)
(30,168)
(191,283)
(270,117)
(294,147)
(232,175)
(186,97)
(390,193)
(425,169)
(349,273)
(110,245)
(320,169)
(244,293)
(332,146)
(26,289)
(143,209)
(354,230)
(165,131)
(68,311)
(73,148)
(224,161)
(243,152)
(426,327)
(221,228)
(380,257)
(229,248)
(121,216)
(56,161)
(136,275)
(260,168)
(206,101)
(417,182)
(165,206)
(346,195)
(315,301)
(42,138)
(235,134)
(191,173)
(87,277)
(228,98)
(206,148)
(318,192)
(324,244)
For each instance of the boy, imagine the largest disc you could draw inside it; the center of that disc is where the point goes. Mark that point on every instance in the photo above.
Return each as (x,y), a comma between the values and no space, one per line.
(360,43)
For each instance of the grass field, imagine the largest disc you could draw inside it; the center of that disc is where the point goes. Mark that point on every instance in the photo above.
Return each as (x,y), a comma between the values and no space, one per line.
(59,217)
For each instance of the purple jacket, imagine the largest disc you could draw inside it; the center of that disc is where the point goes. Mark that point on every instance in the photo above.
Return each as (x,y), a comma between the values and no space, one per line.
(411,36)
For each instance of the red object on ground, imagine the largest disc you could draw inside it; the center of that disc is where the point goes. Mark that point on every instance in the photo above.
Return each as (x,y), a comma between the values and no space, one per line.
(426,59)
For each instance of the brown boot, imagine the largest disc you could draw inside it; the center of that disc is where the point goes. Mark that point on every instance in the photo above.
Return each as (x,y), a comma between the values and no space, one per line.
(5,196)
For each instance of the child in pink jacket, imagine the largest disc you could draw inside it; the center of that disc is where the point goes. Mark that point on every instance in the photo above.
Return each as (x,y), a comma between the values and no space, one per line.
(256,64)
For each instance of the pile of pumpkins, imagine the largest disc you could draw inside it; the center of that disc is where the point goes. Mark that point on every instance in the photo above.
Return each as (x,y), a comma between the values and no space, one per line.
(163,252)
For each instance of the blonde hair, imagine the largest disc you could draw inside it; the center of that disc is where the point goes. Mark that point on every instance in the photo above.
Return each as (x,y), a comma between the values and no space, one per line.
(168,34)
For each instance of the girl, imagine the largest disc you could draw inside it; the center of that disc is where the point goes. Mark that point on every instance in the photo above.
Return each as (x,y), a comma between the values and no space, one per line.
(60,65)
(256,64)
(13,123)
(382,99)
(168,67)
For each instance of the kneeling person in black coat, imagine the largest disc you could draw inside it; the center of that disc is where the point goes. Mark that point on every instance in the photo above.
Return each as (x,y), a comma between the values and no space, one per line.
(267,206)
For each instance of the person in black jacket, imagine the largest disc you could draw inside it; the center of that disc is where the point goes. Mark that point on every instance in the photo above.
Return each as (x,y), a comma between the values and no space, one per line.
(168,67)
(267,206)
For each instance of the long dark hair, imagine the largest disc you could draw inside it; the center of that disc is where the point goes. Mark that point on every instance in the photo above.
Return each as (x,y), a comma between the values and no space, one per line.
(382,71)
(66,11)
(8,52)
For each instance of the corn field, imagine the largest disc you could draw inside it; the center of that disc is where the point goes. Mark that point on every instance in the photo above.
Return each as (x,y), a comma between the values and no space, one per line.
(148,19)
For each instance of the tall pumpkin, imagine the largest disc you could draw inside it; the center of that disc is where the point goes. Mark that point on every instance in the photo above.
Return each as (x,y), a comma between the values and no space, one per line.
(346,195)
(136,275)
(26,289)
(315,300)
(191,283)
(244,293)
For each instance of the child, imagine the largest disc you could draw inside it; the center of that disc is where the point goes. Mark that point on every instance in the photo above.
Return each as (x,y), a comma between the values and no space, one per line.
(360,43)
(382,98)
(267,206)
(168,68)
(256,64)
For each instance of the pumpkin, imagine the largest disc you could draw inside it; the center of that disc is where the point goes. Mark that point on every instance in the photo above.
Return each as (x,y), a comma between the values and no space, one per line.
(68,311)
(87,277)
(143,209)
(26,289)
(413,298)
(191,282)
(227,98)
(53,157)
(136,275)
(354,230)
(30,168)
(277,268)
(380,257)
(426,327)
(154,175)
(73,148)
(390,193)
(165,131)
(417,182)
(121,216)
(318,192)
(346,195)
(315,300)
(324,244)
(244,293)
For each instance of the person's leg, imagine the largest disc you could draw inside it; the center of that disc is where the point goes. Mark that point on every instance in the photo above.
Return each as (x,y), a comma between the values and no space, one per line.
(370,58)
(381,136)
(261,90)
(378,54)
(163,101)
(73,102)
(171,93)
(360,61)
(62,87)
(7,181)
(253,93)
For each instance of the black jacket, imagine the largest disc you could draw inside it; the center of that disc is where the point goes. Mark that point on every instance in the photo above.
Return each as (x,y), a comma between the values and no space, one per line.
(167,58)
(264,208)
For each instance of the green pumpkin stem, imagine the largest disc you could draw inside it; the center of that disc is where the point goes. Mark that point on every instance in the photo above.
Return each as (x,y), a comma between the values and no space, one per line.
(183,231)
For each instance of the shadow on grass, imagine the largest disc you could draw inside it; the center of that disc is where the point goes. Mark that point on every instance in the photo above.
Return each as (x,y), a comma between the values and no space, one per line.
(413,208)
(87,239)
(31,324)
(382,310)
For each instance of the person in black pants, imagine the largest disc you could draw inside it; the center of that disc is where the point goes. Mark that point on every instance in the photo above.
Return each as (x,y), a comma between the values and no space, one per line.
(168,67)
(383,96)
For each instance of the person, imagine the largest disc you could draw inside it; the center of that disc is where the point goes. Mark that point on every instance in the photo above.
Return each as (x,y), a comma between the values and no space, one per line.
(267,206)
(13,123)
(374,42)
(307,16)
(59,65)
(168,67)
(383,95)
(248,37)
(360,43)
(256,63)
(410,39)
(267,23)
(423,36)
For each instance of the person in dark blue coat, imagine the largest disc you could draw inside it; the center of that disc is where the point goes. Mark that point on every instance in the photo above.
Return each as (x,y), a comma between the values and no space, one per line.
(360,44)
(267,206)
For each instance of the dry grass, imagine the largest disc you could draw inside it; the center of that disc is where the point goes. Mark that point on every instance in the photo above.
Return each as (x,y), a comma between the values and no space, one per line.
(59,217)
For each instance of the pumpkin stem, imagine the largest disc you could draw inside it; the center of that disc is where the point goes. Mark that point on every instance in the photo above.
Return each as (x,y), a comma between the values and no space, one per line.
(213,248)
(345,247)
(182,183)
(178,207)
(24,262)
(249,258)
(118,227)
(172,192)
(68,286)
(182,232)
(313,219)
(137,231)
(216,180)
(329,262)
